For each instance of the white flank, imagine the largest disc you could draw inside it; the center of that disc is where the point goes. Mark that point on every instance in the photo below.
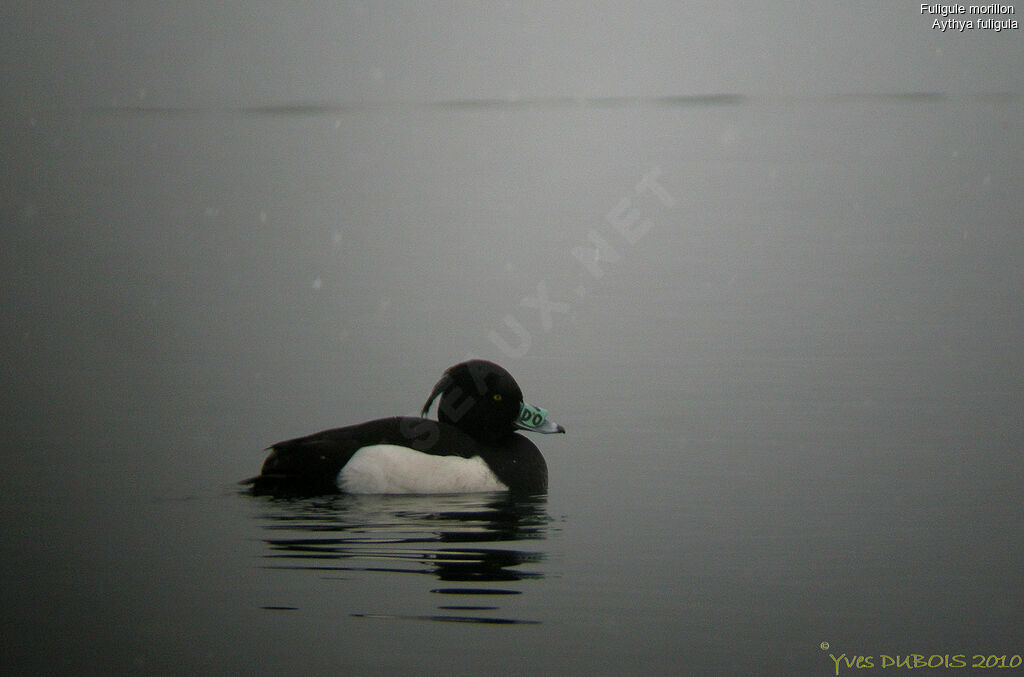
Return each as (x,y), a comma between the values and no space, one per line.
(391,469)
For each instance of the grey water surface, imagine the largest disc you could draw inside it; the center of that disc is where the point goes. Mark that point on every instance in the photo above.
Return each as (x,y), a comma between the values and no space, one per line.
(762,261)
(783,335)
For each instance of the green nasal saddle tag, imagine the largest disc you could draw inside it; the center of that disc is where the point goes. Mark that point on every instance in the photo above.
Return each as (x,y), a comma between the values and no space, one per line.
(532,417)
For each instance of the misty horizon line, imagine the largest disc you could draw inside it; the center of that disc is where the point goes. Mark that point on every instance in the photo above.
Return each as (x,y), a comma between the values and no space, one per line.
(555,101)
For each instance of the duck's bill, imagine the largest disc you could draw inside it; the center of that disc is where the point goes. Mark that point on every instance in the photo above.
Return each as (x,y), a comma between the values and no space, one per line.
(536,420)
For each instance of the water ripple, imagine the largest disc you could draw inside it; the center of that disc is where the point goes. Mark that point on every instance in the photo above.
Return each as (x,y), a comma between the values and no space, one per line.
(474,539)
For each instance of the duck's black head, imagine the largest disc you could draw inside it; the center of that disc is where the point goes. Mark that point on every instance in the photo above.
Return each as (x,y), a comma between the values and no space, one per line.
(483,400)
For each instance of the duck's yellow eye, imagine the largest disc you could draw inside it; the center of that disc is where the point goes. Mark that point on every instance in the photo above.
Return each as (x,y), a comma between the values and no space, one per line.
(496,397)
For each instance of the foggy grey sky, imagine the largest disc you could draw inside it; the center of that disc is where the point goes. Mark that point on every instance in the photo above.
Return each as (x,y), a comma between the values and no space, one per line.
(231,54)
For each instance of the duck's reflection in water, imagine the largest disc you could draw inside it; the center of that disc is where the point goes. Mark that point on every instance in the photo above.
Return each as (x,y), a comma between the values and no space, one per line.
(441,536)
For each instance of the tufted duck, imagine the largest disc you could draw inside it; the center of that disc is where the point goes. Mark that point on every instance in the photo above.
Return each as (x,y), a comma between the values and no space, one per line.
(472,446)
